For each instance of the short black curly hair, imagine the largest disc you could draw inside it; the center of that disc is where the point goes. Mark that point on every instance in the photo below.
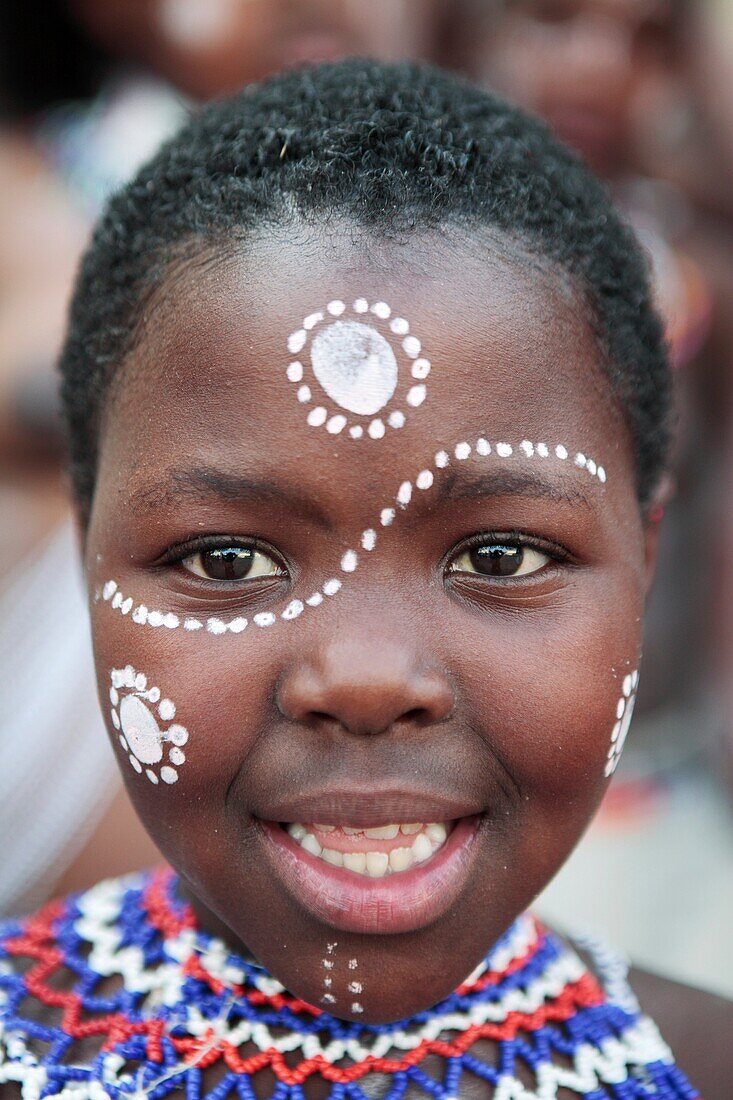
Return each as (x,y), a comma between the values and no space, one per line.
(395,148)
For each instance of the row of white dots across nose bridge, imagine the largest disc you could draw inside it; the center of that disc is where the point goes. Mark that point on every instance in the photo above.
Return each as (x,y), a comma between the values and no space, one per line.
(351,558)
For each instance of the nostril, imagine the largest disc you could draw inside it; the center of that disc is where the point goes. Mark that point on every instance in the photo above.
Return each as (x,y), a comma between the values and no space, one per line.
(417,716)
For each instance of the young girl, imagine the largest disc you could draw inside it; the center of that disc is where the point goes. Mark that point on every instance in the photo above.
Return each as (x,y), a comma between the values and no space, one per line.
(368,408)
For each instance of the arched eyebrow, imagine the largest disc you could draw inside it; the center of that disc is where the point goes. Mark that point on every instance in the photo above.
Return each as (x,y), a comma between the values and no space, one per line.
(207,483)
(467,484)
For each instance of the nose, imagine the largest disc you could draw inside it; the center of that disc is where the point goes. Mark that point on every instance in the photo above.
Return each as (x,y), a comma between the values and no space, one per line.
(367,688)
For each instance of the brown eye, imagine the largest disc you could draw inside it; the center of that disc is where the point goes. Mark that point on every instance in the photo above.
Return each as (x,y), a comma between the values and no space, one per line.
(499,559)
(231,563)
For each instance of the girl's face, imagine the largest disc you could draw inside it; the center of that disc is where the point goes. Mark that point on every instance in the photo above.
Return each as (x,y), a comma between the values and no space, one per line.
(585,65)
(365,554)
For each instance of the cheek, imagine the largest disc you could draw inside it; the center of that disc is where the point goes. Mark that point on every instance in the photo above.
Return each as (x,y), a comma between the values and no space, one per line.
(554,699)
(183,711)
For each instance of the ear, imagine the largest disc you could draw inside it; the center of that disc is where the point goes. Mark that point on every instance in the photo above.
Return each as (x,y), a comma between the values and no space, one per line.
(653,516)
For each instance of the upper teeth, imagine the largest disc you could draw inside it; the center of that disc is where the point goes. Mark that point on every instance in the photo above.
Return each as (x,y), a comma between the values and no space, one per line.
(425,840)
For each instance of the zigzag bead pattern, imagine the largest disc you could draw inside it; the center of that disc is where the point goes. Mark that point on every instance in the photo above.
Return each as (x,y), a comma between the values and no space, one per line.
(179,1002)
(407,491)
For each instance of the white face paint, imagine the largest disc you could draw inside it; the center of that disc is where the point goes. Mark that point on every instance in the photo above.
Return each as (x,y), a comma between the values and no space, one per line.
(624,714)
(350,559)
(360,364)
(137,711)
(355,366)
(328,997)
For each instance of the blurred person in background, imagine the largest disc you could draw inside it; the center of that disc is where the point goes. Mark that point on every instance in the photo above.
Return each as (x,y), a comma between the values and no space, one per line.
(615,81)
(88,89)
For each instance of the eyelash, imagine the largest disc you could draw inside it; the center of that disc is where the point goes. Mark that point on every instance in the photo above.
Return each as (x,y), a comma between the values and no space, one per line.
(559,554)
(176,555)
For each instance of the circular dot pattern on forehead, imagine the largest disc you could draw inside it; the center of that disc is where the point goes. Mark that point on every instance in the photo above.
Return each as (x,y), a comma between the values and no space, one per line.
(355,358)
(624,714)
(145,726)
(367,542)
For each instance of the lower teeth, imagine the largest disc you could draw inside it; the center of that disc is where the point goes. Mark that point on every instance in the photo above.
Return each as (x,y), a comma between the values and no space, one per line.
(424,841)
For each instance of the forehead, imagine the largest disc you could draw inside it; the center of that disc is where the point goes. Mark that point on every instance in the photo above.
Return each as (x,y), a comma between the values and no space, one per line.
(345,349)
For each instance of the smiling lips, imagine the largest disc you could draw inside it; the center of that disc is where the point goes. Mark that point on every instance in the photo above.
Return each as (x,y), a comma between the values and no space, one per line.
(375,878)
(373,853)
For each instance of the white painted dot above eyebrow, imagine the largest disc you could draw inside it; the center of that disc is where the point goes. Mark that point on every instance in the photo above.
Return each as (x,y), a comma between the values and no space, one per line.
(304,394)
(411,346)
(192,624)
(396,419)
(462,451)
(295,371)
(171,621)
(349,561)
(404,493)
(483,447)
(386,516)
(416,395)
(399,326)
(369,539)
(504,450)
(117,600)
(424,479)
(126,605)
(296,341)
(442,460)
(601,475)
(331,587)
(336,308)
(591,467)
(316,417)
(293,610)
(420,368)
(216,626)
(236,626)
(155,618)
(543,450)
(312,320)
(527,447)
(376,429)
(264,618)
(381,310)
(140,614)
(336,424)
(315,599)
(561,452)
(580,459)
(356,432)
(361,305)
(109,590)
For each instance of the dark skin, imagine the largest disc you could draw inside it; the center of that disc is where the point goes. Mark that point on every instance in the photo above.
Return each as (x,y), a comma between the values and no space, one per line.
(497,694)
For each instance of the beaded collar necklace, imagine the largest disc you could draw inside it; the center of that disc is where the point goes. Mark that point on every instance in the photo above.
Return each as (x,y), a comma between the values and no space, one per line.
(182,1004)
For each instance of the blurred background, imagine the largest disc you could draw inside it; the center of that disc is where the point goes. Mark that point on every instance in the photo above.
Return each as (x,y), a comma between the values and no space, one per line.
(643,89)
